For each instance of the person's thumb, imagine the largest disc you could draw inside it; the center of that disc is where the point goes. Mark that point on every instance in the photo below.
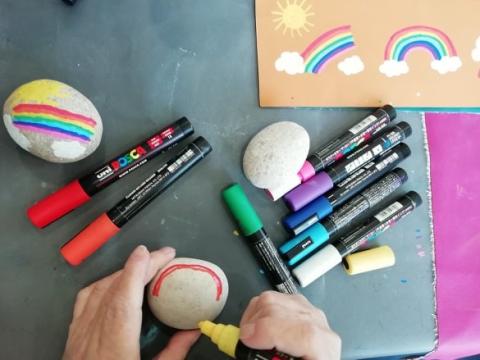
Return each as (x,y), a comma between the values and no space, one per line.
(179,345)
(291,337)
(131,282)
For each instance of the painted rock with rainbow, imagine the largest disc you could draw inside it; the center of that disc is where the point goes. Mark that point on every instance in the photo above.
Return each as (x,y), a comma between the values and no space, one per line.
(53,121)
(187,291)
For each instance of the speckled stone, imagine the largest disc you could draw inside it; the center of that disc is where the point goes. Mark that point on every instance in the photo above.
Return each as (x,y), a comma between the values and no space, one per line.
(187,291)
(53,121)
(275,154)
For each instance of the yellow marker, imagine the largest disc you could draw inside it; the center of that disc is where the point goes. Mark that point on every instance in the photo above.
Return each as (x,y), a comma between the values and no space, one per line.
(369,260)
(226,337)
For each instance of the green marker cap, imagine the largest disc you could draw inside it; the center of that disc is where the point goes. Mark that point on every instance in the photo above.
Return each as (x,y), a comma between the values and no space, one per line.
(242,210)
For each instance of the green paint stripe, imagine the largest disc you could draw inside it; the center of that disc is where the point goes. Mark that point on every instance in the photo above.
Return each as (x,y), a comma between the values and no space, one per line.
(342,41)
(424,37)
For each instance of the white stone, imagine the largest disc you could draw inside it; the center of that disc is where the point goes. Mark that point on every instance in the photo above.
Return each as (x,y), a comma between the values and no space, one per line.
(275,154)
(53,121)
(187,291)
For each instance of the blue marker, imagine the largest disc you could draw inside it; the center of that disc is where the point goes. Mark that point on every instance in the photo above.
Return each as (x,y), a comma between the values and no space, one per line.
(323,206)
(308,241)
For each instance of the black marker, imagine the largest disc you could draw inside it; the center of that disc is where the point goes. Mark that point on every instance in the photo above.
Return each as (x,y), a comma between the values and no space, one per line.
(316,235)
(323,206)
(332,254)
(262,246)
(348,142)
(227,338)
(108,224)
(338,148)
(325,180)
(80,191)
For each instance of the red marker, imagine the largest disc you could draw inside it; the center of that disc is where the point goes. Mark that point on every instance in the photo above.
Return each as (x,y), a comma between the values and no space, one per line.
(80,191)
(108,224)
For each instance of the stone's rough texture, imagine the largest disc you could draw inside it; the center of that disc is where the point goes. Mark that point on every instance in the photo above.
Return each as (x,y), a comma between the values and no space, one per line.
(187,291)
(275,154)
(53,121)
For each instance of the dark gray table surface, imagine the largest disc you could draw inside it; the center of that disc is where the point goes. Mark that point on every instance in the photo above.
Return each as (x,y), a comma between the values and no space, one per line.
(143,64)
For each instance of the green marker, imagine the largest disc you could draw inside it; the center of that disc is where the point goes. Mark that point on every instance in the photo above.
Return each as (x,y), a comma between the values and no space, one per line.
(263,248)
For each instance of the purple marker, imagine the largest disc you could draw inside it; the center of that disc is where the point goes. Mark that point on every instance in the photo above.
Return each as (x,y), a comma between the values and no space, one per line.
(337,149)
(325,180)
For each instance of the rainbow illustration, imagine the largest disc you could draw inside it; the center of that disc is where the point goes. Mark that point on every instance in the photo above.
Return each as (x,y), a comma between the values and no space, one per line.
(327,47)
(53,121)
(419,37)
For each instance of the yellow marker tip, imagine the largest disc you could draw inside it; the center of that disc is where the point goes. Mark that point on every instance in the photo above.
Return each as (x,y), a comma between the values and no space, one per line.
(206,327)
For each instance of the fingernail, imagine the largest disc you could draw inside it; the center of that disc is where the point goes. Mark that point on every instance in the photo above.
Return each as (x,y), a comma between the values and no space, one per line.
(247,331)
(169,250)
(140,251)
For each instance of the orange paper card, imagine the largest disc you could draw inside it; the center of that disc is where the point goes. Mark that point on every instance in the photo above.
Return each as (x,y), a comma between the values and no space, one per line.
(350,53)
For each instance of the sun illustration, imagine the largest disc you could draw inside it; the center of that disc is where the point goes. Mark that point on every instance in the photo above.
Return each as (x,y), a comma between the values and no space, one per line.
(292,16)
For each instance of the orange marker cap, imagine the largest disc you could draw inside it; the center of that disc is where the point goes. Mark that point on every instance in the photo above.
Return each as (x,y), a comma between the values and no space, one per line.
(89,240)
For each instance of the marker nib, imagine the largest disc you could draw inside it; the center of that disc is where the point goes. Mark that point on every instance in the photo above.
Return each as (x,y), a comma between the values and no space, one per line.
(206,327)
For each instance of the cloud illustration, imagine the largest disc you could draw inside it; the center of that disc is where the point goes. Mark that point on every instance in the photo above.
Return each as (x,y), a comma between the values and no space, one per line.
(290,62)
(446,64)
(351,65)
(476,51)
(393,68)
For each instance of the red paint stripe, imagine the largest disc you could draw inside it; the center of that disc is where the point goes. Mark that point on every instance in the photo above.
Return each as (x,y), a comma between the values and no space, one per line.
(195,267)
(52,110)
(324,38)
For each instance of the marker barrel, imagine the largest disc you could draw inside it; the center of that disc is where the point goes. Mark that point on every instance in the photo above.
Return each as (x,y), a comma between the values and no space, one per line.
(379,223)
(243,352)
(107,225)
(356,135)
(322,206)
(260,243)
(332,254)
(368,174)
(268,256)
(299,247)
(227,339)
(78,192)
(324,181)
(379,145)
(337,149)
(366,200)
(160,181)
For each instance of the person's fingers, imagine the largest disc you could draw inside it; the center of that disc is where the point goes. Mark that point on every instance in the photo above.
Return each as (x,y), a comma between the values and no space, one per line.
(249,311)
(81,301)
(295,338)
(96,292)
(158,259)
(91,296)
(128,287)
(266,303)
(179,345)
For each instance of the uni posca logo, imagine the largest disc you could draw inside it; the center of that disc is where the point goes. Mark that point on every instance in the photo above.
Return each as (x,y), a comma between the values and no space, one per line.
(128,158)
(104,172)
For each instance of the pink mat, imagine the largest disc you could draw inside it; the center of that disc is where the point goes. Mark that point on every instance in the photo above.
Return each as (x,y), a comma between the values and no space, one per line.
(454,141)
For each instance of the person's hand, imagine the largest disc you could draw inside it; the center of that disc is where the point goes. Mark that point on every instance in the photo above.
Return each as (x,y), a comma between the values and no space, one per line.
(290,324)
(107,316)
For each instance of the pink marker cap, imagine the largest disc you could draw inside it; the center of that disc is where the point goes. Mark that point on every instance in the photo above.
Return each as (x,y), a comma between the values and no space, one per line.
(306,172)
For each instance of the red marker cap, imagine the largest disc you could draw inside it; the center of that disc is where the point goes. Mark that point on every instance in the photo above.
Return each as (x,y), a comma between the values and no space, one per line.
(89,240)
(57,204)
